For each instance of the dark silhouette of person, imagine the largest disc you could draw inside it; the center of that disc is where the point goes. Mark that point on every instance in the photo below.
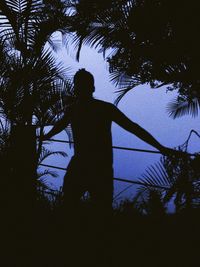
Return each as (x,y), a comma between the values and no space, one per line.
(90,169)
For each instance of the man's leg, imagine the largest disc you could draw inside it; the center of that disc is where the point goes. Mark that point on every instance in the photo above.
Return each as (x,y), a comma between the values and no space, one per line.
(72,227)
(102,197)
(72,193)
(72,187)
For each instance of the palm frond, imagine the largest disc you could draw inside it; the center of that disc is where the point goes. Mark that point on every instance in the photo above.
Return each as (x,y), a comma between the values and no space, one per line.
(149,201)
(100,25)
(125,83)
(45,173)
(31,23)
(68,131)
(180,107)
(158,185)
(4,134)
(47,153)
(46,82)
(17,6)
(157,176)
(121,93)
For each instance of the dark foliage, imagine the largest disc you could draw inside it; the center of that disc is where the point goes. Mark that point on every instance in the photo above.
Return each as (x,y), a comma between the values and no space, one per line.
(173,179)
(152,42)
(130,239)
(34,87)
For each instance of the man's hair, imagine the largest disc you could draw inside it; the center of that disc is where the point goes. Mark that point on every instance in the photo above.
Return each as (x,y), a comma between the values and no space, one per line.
(83,82)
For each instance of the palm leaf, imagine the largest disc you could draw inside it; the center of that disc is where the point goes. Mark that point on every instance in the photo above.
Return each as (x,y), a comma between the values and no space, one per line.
(156,175)
(100,25)
(43,174)
(180,107)
(155,178)
(47,153)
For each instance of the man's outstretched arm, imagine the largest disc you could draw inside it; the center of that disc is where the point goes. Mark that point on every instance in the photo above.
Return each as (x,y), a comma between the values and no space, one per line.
(137,130)
(57,128)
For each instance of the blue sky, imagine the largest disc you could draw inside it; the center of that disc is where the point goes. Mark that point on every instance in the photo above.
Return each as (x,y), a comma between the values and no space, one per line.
(143,105)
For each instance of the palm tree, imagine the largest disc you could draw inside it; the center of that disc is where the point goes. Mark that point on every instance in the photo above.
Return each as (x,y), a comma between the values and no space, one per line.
(33,86)
(26,28)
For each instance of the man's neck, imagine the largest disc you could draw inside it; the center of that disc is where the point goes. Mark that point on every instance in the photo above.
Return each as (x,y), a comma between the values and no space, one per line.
(85,98)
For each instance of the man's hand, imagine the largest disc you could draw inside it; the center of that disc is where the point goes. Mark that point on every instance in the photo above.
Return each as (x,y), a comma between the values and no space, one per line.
(172,152)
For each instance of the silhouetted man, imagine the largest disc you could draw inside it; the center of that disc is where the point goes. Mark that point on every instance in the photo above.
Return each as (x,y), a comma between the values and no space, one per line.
(91,168)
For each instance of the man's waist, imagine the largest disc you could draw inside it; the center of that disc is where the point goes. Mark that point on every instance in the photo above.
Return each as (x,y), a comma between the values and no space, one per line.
(93,160)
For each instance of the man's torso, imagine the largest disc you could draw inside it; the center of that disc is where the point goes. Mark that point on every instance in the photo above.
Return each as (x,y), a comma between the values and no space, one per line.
(91,127)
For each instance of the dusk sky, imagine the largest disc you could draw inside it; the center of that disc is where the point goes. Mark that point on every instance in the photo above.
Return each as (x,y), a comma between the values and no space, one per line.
(143,105)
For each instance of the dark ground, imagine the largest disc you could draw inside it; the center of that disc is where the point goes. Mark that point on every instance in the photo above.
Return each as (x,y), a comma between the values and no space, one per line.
(51,240)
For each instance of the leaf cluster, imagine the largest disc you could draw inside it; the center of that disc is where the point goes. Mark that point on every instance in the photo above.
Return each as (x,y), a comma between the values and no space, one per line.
(153,42)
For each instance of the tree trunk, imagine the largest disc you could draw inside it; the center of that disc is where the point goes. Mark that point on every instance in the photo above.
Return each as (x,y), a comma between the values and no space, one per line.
(23,170)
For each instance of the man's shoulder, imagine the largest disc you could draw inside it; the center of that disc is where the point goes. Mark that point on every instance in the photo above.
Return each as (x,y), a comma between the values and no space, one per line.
(103,104)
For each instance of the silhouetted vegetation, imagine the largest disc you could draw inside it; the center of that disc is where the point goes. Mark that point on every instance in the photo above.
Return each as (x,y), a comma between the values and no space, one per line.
(34,86)
(132,239)
(153,42)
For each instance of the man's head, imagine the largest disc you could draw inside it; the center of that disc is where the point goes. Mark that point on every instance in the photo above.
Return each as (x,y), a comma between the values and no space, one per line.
(83,83)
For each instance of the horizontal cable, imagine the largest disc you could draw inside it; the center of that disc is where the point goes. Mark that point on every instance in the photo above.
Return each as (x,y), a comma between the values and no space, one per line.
(115,147)
(137,150)
(53,167)
(116,179)
(125,148)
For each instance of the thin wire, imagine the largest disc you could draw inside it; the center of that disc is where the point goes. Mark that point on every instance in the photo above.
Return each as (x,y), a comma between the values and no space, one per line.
(116,179)
(115,147)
